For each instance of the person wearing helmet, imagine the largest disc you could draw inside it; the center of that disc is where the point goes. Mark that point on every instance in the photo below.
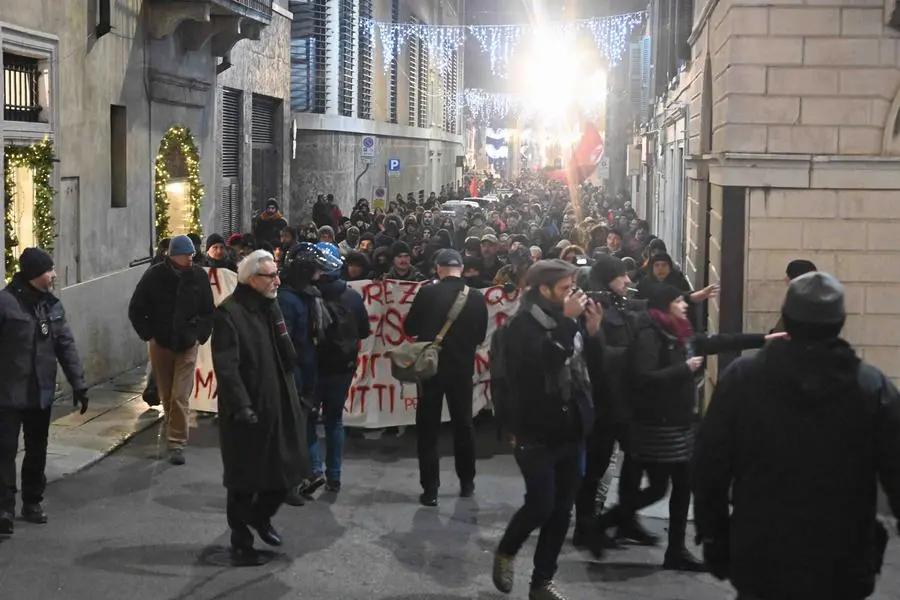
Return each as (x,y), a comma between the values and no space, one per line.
(304,315)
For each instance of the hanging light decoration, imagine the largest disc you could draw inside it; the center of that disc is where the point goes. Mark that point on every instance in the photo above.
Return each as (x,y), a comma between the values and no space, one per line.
(485,107)
(498,42)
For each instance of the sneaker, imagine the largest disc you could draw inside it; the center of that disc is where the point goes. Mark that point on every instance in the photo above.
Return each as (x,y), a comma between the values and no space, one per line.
(545,591)
(7,523)
(176,456)
(682,560)
(504,572)
(310,486)
(34,513)
(634,533)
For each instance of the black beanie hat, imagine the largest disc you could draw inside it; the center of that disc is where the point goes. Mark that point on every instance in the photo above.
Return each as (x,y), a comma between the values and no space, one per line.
(816,298)
(662,257)
(34,262)
(398,248)
(606,268)
(661,295)
(213,239)
(799,267)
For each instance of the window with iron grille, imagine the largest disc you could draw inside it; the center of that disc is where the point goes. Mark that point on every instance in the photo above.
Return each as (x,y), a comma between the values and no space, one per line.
(413,47)
(424,87)
(364,81)
(451,93)
(308,57)
(346,59)
(21,75)
(395,53)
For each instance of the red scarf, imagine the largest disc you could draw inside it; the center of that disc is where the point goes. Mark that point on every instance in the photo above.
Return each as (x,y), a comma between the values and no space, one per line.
(680,328)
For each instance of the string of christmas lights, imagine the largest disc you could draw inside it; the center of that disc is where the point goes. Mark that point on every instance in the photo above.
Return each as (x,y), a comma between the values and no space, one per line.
(484,107)
(182,139)
(39,159)
(498,42)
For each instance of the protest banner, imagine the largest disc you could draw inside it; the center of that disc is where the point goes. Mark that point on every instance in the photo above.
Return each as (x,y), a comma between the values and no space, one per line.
(376,399)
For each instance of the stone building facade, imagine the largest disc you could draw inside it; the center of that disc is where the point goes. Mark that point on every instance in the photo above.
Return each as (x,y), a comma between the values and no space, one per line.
(107,82)
(350,95)
(788,115)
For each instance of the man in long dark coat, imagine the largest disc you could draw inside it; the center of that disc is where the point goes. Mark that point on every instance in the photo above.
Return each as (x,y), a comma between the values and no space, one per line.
(261,423)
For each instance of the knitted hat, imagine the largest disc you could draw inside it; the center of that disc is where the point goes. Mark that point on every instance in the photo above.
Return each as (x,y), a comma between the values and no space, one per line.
(662,257)
(606,268)
(181,245)
(399,249)
(213,239)
(816,298)
(796,268)
(661,295)
(549,272)
(34,262)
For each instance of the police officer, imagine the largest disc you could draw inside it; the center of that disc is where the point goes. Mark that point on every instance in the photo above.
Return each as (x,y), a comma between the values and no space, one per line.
(34,335)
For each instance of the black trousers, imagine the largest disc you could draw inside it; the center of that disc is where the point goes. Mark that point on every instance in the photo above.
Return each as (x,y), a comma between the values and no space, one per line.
(250,508)
(458,391)
(600,446)
(551,481)
(35,424)
(660,476)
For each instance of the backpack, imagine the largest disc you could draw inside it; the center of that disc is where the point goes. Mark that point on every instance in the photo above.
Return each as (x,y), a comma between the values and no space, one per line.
(341,345)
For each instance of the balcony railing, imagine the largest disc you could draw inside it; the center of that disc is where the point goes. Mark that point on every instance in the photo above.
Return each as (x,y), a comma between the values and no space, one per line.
(255,9)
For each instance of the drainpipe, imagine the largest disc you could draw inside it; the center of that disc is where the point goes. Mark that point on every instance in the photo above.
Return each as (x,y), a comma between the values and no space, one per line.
(356,185)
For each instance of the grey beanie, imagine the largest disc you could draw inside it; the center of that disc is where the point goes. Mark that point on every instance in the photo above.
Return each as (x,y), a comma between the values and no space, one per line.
(548,272)
(816,298)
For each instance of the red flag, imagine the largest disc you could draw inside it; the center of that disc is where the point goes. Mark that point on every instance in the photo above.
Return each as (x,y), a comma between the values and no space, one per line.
(473,188)
(584,159)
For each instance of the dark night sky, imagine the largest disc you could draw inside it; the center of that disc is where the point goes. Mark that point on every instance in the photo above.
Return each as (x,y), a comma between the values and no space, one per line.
(490,12)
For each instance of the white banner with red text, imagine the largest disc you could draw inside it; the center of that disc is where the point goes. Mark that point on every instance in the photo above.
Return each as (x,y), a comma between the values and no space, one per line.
(375,399)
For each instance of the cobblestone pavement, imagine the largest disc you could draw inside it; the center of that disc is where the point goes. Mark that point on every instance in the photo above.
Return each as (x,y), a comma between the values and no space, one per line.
(132,527)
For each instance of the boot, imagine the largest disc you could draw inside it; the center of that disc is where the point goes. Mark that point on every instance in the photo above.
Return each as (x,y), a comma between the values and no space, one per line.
(679,559)
(504,572)
(34,513)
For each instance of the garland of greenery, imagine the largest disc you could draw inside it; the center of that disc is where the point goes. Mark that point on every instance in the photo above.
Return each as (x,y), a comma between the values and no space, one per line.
(39,158)
(182,139)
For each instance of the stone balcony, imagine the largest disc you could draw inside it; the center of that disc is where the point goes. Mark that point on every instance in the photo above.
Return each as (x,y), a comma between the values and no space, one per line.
(221,23)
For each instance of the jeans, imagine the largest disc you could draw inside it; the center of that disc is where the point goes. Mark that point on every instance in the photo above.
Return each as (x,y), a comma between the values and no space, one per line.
(458,391)
(660,475)
(331,394)
(551,481)
(35,424)
(245,509)
(600,469)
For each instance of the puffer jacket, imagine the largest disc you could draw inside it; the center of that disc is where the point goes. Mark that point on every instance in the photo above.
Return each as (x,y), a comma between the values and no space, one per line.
(34,336)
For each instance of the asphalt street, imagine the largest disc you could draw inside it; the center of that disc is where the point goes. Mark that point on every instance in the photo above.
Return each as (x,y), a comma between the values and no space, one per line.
(132,527)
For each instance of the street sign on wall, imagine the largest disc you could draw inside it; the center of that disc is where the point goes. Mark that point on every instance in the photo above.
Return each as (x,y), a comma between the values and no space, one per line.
(393,167)
(603,168)
(368,148)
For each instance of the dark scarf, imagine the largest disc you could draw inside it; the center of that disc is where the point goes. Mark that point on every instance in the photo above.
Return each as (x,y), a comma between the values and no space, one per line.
(319,317)
(253,300)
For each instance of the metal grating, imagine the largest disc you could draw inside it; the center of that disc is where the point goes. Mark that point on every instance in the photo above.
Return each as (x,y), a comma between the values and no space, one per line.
(424,81)
(230,204)
(20,82)
(309,60)
(413,48)
(364,81)
(264,115)
(395,52)
(231,133)
(253,8)
(346,59)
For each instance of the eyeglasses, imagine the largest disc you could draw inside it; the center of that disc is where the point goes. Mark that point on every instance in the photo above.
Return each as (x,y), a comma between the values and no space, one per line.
(269,275)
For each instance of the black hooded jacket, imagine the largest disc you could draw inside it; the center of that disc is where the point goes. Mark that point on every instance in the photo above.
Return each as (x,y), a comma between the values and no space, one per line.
(798,436)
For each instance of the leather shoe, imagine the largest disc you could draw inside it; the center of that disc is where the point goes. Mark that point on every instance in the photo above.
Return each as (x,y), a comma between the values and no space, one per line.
(244,556)
(268,534)
(34,513)
(7,523)
(428,498)
(467,489)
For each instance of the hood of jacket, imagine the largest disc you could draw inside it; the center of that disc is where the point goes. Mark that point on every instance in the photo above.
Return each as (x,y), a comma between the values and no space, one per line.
(812,372)
(331,288)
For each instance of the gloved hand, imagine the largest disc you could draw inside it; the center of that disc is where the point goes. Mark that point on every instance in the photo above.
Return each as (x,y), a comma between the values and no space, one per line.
(80,397)
(716,557)
(247,416)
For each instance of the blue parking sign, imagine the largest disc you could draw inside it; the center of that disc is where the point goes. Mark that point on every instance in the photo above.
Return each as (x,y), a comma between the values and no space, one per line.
(393,165)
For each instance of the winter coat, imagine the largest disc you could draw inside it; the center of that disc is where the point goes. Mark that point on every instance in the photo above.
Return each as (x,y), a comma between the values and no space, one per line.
(796,438)
(268,229)
(273,453)
(295,308)
(538,350)
(428,314)
(173,307)
(225,263)
(622,319)
(664,389)
(29,365)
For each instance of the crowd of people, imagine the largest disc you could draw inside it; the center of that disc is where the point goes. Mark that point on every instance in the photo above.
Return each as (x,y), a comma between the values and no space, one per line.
(598,367)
